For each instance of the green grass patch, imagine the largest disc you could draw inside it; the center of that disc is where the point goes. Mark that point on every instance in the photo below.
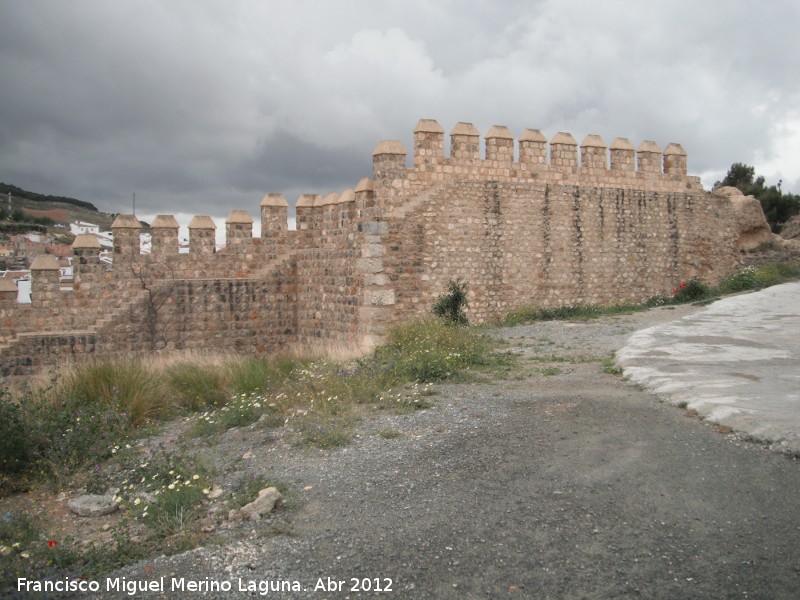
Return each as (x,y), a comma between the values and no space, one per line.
(610,366)
(580,312)
(388,433)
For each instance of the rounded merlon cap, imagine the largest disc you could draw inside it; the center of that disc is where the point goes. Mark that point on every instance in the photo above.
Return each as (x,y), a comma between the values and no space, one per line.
(164,222)
(564,138)
(7,285)
(649,146)
(274,200)
(126,222)
(239,217)
(532,135)
(428,126)
(45,262)
(202,222)
(463,128)
(499,131)
(86,240)
(674,149)
(389,147)
(593,141)
(621,143)
(365,185)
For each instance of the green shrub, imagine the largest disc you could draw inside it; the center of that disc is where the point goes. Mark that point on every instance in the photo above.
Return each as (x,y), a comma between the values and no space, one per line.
(15,451)
(778,272)
(451,305)
(63,438)
(690,291)
(744,279)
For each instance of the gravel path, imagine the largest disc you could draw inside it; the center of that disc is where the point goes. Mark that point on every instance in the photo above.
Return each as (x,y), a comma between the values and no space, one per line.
(560,481)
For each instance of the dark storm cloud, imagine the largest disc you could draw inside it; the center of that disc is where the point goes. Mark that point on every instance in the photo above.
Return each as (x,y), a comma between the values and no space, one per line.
(200,107)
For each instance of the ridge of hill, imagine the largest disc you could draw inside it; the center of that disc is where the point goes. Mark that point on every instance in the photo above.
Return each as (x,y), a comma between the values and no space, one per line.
(6,188)
(61,209)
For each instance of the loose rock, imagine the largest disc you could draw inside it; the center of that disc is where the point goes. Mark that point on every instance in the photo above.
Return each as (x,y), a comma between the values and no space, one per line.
(267,500)
(93,505)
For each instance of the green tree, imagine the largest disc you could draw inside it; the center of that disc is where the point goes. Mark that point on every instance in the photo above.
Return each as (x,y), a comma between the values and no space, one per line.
(778,206)
(739,175)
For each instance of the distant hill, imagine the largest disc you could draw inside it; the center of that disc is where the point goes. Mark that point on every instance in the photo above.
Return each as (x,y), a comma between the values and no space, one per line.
(61,209)
(5,188)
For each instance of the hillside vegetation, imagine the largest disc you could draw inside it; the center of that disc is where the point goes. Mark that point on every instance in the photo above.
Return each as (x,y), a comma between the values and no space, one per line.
(60,209)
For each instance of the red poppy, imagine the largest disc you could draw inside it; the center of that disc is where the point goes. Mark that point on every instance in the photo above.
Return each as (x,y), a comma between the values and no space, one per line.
(52,544)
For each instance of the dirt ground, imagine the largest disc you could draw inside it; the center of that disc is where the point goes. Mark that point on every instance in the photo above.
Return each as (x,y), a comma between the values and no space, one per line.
(559,481)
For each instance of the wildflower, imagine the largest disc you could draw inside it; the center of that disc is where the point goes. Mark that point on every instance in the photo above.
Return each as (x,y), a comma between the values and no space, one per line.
(171,486)
(206,491)
(52,544)
(4,550)
(25,554)
(15,545)
(137,502)
(195,477)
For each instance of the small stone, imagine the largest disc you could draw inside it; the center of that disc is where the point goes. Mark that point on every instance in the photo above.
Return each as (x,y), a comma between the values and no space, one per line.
(93,505)
(267,500)
(247,455)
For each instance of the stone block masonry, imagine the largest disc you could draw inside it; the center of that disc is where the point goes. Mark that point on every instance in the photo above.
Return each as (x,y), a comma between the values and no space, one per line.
(526,222)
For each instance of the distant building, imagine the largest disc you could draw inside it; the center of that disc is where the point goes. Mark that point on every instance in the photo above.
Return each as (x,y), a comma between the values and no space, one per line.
(22,279)
(79,227)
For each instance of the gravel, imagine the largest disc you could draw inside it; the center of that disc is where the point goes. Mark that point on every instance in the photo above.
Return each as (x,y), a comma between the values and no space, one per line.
(559,481)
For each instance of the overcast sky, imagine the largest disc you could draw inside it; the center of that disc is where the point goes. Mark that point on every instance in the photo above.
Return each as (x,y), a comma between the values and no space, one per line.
(203,106)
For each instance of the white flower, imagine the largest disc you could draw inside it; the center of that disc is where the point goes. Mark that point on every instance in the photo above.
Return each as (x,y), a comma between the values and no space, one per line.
(5,550)
(195,477)
(171,486)
(137,502)
(24,554)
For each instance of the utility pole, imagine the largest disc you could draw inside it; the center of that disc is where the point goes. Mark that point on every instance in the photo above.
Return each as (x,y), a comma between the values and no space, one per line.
(134,204)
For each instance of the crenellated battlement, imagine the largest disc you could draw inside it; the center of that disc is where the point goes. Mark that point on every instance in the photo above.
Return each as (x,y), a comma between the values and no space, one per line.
(532,158)
(523,220)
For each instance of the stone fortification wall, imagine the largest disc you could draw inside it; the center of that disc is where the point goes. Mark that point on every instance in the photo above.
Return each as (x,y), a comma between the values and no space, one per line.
(553,225)
(525,221)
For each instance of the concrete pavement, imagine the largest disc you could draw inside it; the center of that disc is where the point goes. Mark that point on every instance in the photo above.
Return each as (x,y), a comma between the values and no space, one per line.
(737,363)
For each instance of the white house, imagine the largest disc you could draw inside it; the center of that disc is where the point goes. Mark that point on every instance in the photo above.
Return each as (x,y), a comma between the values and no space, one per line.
(79,227)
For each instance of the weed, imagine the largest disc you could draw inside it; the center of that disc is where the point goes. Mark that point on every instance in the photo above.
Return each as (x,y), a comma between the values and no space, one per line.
(388,433)
(580,312)
(550,371)
(450,307)
(197,386)
(610,366)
